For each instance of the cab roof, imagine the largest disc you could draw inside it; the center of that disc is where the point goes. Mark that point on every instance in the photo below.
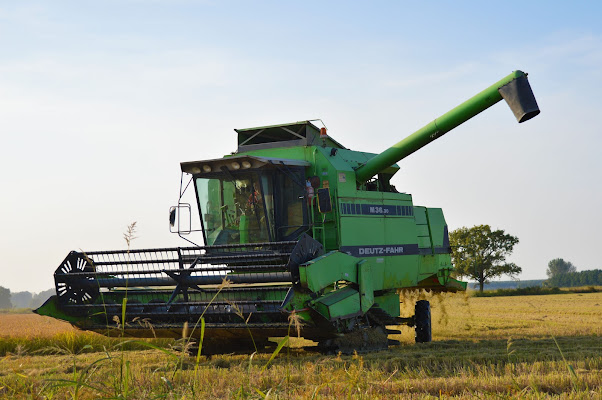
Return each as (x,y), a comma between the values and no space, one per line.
(300,133)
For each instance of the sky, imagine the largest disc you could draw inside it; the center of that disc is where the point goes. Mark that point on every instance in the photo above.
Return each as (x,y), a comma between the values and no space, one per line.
(101,100)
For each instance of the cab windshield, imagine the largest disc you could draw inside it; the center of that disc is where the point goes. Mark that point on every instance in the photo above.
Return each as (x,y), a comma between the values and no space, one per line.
(252,206)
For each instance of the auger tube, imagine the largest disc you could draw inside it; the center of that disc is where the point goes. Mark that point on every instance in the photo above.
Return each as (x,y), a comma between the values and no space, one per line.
(514,88)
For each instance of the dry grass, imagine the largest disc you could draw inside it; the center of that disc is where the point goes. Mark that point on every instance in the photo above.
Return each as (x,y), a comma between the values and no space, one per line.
(460,317)
(32,326)
(22,334)
(482,348)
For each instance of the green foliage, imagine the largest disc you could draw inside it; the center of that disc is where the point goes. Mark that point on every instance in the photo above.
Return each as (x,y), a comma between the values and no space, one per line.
(572,279)
(558,266)
(5,298)
(480,253)
(281,344)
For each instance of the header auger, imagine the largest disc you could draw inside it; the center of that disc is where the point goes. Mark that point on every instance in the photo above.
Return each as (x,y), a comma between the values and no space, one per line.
(292,222)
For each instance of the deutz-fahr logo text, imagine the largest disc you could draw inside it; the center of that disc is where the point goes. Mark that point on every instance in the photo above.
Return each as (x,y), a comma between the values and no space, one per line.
(384,250)
(381,250)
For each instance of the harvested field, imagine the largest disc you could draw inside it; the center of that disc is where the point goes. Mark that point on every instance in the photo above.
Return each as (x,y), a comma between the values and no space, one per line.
(509,347)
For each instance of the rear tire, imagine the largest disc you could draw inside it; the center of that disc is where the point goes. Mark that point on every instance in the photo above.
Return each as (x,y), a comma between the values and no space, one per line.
(422,321)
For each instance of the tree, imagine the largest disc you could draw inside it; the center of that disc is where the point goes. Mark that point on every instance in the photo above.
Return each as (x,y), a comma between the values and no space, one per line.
(571,279)
(39,299)
(21,299)
(558,266)
(5,298)
(480,253)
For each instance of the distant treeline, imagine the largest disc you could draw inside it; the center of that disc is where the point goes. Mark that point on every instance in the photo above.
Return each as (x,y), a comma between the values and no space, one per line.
(10,299)
(535,291)
(522,291)
(572,279)
(569,279)
(508,284)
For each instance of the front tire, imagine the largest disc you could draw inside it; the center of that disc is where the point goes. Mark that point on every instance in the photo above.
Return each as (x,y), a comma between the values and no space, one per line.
(422,321)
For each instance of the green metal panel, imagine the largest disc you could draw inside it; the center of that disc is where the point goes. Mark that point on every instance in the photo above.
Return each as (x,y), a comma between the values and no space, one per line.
(436,226)
(422,228)
(420,215)
(338,304)
(321,272)
(51,308)
(424,240)
(389,303)
(362,231)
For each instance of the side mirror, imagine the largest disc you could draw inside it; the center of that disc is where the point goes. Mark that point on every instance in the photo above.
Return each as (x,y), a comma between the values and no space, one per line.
(172,216)
(180,219)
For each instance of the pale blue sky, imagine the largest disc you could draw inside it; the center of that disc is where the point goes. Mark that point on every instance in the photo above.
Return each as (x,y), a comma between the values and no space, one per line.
(100,101)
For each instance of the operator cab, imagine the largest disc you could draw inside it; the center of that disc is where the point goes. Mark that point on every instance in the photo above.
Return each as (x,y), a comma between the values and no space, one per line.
(248,199)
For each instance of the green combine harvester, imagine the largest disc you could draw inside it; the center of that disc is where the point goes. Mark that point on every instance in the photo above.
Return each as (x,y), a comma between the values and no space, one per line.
(294,224)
